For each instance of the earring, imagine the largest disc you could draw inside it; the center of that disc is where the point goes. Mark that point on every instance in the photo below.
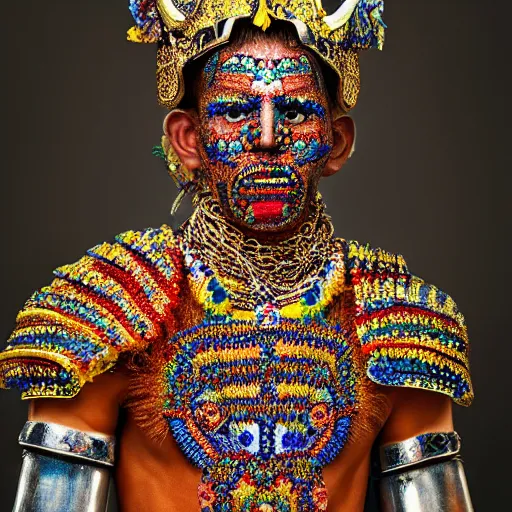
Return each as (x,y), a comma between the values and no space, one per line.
(185,180)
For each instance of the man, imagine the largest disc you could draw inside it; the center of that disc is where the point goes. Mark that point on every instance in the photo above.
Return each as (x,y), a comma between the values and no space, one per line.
(257,357)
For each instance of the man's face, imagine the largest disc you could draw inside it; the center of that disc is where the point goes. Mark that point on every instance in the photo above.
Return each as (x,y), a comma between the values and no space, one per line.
(265,132)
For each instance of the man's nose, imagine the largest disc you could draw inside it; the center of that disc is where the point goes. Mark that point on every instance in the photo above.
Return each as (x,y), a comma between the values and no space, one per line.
(268,138)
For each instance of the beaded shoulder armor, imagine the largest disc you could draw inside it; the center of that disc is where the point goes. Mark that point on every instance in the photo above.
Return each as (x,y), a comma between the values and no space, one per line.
(411,332)
(118,298)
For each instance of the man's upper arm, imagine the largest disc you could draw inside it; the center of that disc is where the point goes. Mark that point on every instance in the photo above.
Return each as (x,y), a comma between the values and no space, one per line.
(94,409)
(416,412)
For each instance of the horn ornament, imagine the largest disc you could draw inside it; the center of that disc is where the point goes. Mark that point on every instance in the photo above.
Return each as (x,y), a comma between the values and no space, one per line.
(170,13)
(340,17)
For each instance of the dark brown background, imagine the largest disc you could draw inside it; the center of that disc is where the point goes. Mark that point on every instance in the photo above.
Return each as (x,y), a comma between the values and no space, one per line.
(430,177)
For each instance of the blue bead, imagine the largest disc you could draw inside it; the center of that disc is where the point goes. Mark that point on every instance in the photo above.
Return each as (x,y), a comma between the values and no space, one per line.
(219,295)
(246,438)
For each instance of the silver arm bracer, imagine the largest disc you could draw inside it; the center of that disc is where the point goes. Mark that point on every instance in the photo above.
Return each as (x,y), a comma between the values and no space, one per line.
(64,470)
(424,474)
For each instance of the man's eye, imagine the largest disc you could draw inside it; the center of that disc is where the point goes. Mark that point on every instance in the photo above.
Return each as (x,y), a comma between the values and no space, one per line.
(294,116)
(233,115)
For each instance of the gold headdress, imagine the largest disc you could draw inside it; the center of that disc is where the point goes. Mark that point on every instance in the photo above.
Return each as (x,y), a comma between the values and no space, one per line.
(186,29)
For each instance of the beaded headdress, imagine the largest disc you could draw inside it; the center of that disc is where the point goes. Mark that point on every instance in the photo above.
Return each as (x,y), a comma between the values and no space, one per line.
(187,29)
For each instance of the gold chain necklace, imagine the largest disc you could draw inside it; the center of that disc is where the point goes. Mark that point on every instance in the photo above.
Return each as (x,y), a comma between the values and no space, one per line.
(256,273)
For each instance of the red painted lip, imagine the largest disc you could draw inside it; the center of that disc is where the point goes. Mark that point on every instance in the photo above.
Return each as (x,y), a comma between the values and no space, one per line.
(265,211)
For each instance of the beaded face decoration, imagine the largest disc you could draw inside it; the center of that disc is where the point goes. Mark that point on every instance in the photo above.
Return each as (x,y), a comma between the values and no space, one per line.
(265,133)
(335,31)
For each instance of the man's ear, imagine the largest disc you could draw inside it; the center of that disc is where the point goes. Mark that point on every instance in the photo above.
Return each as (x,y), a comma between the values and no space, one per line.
(180,126)
(344,138)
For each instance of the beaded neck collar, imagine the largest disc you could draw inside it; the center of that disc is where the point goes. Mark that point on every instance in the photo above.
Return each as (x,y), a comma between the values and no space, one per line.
(239,276)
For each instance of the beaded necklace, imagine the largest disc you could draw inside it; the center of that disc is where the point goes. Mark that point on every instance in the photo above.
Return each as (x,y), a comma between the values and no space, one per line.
(257,273)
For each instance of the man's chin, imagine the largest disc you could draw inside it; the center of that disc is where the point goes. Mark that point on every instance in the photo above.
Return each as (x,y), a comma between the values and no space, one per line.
(265,197)
(268,217)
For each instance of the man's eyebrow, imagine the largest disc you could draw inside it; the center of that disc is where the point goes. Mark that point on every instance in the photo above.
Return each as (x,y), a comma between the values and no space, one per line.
(238,98)
(220,106)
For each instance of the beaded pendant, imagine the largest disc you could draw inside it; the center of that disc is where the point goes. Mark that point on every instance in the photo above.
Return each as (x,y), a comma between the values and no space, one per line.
(261,409)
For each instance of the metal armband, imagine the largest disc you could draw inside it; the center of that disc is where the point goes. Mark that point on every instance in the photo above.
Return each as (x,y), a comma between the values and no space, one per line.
(64,470)
(424,474)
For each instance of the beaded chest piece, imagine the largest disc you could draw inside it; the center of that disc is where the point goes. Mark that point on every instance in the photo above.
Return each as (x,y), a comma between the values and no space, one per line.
(261,391)
(261,410)
(260,395)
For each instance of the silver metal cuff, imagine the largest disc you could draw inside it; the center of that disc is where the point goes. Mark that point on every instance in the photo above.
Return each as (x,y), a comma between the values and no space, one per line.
(50,437)
(436,487)
(50,483)
(417,450)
